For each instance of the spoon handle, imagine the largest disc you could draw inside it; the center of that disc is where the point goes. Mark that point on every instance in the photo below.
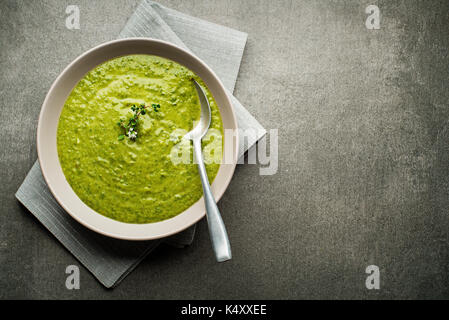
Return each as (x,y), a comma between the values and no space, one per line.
(217,229)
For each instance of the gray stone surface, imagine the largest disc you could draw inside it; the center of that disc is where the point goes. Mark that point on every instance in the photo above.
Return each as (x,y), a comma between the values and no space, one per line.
(363,153)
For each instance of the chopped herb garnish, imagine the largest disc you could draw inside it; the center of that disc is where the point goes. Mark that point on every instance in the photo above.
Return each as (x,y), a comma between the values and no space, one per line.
(156,107)
(130,128)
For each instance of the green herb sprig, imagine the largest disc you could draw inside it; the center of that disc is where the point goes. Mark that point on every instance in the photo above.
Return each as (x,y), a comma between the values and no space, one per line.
(130,128)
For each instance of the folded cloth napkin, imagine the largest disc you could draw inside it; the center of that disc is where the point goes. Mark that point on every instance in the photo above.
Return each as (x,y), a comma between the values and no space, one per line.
(108,259)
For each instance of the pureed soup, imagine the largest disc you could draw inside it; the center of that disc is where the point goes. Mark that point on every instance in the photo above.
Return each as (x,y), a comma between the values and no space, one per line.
(118,132)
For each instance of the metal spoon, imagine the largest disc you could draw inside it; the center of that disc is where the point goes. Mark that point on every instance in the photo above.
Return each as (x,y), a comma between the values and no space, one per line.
(217,229)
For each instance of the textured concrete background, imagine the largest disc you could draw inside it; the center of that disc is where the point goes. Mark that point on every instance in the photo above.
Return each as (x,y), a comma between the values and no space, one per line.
(363,140)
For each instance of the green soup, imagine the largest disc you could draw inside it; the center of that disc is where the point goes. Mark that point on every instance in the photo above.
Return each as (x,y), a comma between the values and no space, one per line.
(134,180)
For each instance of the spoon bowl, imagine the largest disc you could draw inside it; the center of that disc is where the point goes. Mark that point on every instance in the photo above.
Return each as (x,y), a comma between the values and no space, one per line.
(203,125)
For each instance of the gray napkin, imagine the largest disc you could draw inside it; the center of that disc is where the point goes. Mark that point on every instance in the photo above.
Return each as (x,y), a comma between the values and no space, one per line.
(108,259)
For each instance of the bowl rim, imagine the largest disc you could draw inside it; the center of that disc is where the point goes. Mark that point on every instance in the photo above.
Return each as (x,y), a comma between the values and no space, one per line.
(40,141)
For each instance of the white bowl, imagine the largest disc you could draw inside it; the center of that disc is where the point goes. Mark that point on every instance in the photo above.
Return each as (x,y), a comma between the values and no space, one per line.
(48,124)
